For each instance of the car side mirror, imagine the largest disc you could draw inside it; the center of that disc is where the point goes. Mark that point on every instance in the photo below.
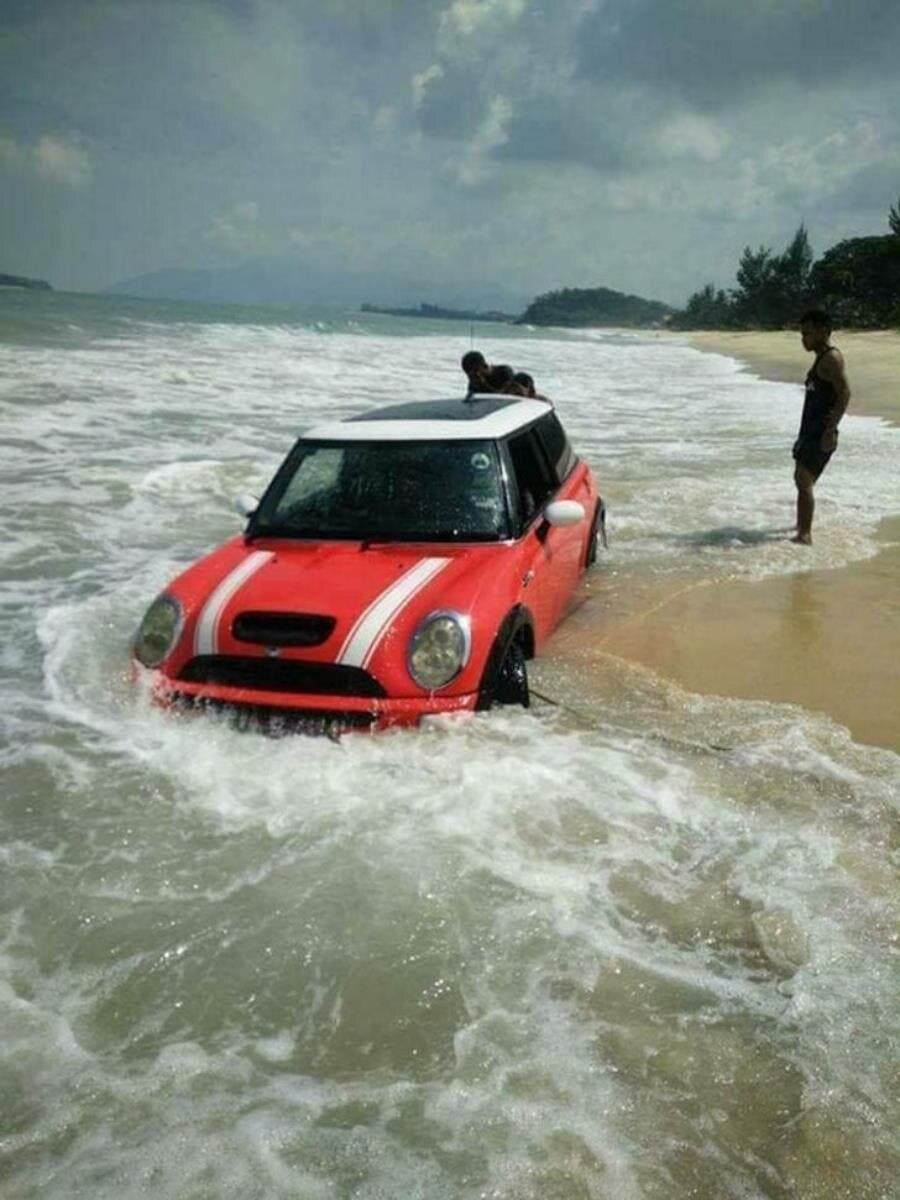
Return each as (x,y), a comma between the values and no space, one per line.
(245,506)
(564,512)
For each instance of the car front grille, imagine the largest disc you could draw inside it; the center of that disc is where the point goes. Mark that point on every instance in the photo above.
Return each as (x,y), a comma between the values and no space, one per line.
(282,629)
(281,675)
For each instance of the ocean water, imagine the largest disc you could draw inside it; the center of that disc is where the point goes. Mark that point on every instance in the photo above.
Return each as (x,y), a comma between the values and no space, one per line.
(638,952)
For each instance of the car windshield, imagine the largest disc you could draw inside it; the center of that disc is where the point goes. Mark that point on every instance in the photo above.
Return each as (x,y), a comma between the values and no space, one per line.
(387,491)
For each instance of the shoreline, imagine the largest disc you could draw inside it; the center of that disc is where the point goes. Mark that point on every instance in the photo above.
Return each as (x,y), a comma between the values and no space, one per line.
(872,357)
(827,640)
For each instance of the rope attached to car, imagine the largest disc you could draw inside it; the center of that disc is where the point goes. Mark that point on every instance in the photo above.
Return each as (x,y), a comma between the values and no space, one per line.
(590,722)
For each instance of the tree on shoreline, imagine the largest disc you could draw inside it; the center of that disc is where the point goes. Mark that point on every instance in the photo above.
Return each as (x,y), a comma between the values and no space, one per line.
(756,284)
(707,309)
(857,280)
(771,290)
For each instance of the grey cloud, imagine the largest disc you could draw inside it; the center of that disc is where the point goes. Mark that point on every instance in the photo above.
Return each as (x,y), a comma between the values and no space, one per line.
(714,53)
(578,125)
(243,11)
(875,187)
(129,78)
(452,103)
(548,129)
(381,28)
(552,119)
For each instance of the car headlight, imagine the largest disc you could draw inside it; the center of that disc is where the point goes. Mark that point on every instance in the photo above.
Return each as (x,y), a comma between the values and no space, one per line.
(158,631)
(439,649)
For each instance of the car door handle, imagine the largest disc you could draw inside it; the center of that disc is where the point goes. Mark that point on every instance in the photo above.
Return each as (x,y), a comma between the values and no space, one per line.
(527,578)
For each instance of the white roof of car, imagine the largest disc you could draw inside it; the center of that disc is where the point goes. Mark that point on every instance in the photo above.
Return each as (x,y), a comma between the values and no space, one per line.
(481,416)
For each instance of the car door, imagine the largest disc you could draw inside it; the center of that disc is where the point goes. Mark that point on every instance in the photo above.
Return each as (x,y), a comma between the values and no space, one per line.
(546,567)
(574,482)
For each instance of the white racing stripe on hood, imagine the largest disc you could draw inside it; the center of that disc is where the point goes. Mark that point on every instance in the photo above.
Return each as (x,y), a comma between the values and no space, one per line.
(362,639)
(205,635)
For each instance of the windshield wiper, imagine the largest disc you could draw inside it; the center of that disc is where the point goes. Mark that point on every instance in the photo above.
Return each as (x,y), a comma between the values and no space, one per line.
(284,531)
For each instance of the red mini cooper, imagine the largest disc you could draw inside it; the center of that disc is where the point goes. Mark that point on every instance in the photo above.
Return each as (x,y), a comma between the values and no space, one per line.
(401,563)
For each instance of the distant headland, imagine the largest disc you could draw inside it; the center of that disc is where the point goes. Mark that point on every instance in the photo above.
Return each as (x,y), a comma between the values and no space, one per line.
(435,312)
(22,281)
(573,307)
(579,307)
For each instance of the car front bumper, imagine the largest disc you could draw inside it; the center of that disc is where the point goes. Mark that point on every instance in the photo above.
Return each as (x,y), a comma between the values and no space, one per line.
(349,712)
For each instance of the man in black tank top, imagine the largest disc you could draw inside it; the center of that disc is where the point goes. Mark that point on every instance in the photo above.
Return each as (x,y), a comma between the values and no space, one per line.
(827,396)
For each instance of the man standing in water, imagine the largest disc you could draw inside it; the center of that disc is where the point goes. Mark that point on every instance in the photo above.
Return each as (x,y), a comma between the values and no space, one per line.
(827,397)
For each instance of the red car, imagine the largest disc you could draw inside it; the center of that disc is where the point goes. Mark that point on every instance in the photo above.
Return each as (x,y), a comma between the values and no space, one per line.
(403,562)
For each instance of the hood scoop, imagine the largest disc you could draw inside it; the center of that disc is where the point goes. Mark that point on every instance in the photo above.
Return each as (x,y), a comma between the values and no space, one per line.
(282,629)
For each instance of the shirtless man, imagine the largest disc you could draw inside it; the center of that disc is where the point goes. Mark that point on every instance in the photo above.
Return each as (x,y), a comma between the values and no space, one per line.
(827,397)
(477,371)
(482,376)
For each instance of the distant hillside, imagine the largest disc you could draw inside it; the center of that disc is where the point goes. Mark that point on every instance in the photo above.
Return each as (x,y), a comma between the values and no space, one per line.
(434,312)
(21,281)
(595,306)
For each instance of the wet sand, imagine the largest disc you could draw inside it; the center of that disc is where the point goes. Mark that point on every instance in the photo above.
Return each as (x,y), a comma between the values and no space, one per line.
(826,640)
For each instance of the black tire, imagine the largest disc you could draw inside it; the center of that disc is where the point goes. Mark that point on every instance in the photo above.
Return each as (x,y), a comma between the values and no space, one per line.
(591,555)
(511,682)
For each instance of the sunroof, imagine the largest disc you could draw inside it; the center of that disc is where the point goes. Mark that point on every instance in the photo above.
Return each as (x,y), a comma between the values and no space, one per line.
(439,410)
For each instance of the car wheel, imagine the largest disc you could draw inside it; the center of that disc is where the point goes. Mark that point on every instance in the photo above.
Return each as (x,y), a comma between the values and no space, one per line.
(598,532)
(591,554)
(511,685)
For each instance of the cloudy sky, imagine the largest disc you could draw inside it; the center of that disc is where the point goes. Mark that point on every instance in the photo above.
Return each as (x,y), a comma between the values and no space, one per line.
(638,144)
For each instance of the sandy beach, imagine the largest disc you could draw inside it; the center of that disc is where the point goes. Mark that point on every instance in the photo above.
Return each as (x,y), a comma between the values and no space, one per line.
(827,640)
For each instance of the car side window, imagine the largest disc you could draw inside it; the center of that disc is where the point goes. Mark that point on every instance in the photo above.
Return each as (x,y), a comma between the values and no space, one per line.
(534,482)
(556,444)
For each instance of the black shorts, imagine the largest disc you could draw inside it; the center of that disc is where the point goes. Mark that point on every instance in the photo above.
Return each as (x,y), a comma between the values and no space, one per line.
(809,454)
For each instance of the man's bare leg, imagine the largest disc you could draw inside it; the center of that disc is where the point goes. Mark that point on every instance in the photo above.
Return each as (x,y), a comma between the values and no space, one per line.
(806,505)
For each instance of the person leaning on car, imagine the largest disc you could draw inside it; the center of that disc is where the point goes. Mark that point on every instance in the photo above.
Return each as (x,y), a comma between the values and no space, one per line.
(525,385)
(482,376)
(500,378)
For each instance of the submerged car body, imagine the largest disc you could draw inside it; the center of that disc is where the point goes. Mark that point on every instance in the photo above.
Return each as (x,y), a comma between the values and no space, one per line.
(404,562)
